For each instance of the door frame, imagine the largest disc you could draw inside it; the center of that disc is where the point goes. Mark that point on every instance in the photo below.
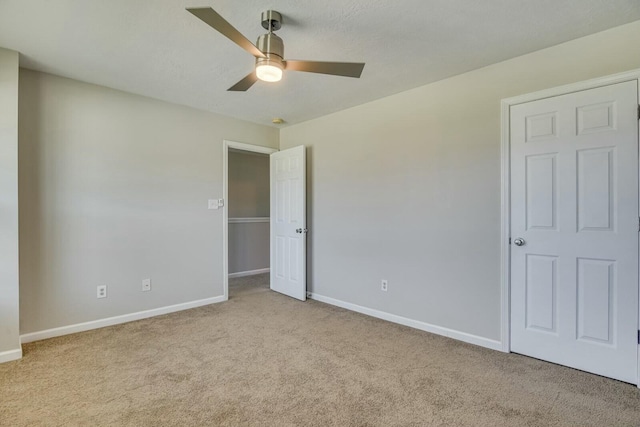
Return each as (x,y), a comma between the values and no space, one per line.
(226,145)
(505,187)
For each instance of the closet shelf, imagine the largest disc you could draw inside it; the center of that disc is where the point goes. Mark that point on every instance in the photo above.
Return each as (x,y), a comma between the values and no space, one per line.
(247,220)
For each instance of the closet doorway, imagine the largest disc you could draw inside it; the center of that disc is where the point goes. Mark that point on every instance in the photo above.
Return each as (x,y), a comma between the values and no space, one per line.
(246,212)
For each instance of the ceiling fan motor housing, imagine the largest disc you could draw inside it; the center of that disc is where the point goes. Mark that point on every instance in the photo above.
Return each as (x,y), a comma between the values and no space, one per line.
(273,48)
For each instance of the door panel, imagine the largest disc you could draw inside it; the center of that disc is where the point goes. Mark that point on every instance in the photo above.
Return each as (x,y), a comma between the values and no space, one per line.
(596,188)
(596,297)
(541,191)
(541,282)
(288,223)
(574,202)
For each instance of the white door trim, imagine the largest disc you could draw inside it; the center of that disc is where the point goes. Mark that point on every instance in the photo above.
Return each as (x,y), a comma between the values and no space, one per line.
(505,208)
(225,195)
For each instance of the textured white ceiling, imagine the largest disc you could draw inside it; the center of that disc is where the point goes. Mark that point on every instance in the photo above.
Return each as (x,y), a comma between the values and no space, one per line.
(156,48)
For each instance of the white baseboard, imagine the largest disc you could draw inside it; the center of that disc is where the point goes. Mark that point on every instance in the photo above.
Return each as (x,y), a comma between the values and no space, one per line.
(110,321)
(8,356)
(438,330)
(249,273)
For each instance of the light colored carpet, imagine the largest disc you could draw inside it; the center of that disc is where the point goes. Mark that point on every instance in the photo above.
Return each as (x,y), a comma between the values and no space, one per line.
(264,359)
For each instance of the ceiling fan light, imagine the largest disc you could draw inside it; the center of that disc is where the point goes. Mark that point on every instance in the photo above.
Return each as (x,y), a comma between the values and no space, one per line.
(269,72)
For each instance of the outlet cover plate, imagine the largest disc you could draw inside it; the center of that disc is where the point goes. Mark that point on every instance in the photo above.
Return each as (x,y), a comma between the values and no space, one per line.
(146,285)
(101,291)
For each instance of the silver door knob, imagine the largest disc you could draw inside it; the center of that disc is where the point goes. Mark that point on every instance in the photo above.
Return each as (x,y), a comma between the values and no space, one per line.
(301,230)
(519,241)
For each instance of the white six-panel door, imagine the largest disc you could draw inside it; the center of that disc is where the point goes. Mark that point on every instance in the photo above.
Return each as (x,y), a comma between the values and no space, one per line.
(574,205)
(288,223)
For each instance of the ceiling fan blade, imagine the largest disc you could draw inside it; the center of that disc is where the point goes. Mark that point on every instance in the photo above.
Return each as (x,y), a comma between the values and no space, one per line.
(245,83)
(211,17)
(346,69)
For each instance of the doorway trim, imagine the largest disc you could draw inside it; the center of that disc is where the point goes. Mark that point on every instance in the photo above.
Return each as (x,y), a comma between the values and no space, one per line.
(226,144)
(505,189)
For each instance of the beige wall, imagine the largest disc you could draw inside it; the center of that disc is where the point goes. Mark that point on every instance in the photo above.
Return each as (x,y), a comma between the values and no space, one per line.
(114,189)
(9,314)
(248,198)
(248,247)
(248,184)
(407,188)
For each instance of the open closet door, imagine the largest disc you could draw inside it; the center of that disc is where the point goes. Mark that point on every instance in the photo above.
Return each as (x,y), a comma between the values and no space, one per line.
(288,223)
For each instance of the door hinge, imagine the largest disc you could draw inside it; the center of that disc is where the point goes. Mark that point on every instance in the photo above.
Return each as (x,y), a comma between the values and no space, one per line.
(638,337)
(638,112)
(510,237)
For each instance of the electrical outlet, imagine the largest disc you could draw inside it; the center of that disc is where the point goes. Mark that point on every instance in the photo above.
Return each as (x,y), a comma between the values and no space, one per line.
(146,285)
(384,285)
(102,291)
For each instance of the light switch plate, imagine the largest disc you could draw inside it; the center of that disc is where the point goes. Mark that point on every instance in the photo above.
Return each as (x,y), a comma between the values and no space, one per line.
(213,204)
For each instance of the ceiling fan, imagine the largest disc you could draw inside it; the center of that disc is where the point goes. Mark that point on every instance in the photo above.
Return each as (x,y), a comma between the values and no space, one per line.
(269,51)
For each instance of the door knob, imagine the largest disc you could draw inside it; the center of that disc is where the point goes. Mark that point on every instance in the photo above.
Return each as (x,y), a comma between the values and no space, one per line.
(519,241)
(301,230)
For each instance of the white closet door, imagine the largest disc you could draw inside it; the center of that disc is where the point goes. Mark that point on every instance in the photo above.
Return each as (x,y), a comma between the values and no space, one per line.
(574,213)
